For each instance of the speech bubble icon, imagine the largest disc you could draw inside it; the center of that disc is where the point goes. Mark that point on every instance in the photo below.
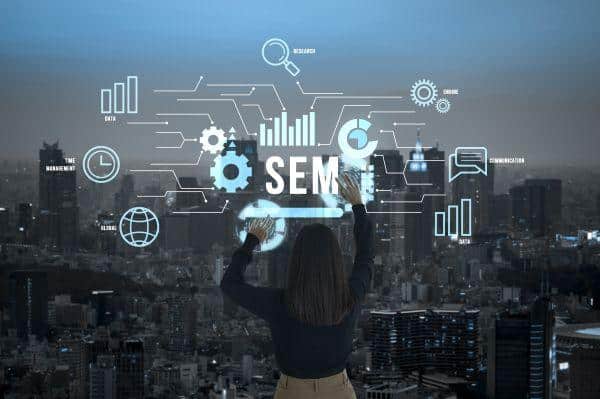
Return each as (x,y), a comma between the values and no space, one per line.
(467,161)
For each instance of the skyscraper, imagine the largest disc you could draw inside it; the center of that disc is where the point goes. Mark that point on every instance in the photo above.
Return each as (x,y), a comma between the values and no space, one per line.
(103,378)
(90,350)
(182,323)
(536,205)
(29,303)
(521,353)
(58,209)
(130,369)
(426,181)
(413,340)
(4,223)
(389,183)
(124,196)
(25,221)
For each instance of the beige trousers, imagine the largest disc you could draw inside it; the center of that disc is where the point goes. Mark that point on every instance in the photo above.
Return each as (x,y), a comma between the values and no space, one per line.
(337,386)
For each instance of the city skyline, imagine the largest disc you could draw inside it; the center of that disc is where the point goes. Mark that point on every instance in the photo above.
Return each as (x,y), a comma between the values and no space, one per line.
(130,183)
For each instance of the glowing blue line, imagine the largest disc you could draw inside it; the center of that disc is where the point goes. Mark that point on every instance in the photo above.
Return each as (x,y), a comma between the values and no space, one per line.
(303,213)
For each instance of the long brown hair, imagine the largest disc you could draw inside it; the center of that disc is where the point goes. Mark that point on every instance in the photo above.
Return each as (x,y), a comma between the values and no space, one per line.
(317,289)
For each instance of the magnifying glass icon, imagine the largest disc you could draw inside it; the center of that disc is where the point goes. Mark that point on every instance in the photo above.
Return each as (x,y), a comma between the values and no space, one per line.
(276,52)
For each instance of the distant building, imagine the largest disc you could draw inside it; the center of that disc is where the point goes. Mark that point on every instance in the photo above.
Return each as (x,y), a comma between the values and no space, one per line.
(188,375)
(427,182)
(391,391)
(58,209)
(414,340)
(29,303)
(130,369)
(25,222)
(578,348)
(123,198)
(182,323)
(501,210)
(102,303)
(521,354)
(389,161)
(4,223)
(537,206)
(103,378)
(90,350)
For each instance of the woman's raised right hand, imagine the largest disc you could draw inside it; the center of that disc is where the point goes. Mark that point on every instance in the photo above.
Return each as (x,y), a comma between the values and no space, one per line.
(349,189)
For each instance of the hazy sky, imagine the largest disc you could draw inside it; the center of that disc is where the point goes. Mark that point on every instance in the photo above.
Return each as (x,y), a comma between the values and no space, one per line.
(527,71)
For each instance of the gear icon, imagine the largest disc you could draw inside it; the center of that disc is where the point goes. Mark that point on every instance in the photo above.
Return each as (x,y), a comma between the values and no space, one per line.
(244,171)
(423,92)
(442,105)
(214,148)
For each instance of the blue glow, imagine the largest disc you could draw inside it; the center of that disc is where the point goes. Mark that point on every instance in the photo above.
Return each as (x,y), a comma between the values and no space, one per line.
(589,331)
(302,213)
(277,235)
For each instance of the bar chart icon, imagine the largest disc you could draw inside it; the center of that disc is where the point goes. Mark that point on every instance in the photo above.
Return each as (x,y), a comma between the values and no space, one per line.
(121,98)
(456,222)
(299,133)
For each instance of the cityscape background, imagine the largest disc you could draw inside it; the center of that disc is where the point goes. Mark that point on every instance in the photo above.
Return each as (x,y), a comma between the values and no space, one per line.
(511,311)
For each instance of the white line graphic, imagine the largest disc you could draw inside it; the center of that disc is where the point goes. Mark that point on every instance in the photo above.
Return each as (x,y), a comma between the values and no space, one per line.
(180,90)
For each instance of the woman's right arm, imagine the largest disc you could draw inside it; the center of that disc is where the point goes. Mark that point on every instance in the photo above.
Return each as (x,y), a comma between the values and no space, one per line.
(360,280)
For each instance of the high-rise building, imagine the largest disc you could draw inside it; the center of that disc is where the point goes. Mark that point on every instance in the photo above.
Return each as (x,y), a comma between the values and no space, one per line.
(501,210)
(101,301)
(58,209)
(90,350)
(130,369)
(387,168)
(25,221)
(68,352)
(521,353)
(29,303)
(426,180)
(537,205)
(578,355)
(123,197)
(103,378)
(182,323)
(4,223)
(414,340)
(107,225)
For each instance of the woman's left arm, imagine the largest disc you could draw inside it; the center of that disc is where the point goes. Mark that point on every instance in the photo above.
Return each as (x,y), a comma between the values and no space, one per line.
(261,301)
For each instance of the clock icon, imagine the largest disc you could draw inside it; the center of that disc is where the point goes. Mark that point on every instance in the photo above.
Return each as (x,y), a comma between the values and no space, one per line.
(101,164)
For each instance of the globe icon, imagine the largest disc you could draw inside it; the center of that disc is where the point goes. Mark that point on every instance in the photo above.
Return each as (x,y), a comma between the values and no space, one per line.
(139,227)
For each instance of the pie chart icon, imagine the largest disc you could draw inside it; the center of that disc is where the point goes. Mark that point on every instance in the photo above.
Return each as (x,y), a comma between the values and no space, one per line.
(353,138)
